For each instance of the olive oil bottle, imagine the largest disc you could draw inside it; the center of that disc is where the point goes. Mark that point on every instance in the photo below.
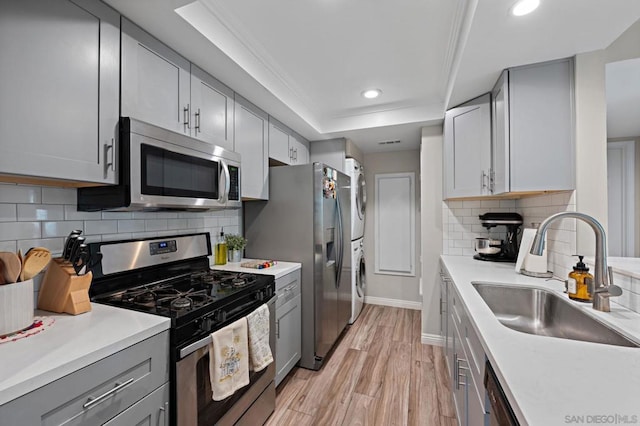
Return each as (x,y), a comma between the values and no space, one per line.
(221,249)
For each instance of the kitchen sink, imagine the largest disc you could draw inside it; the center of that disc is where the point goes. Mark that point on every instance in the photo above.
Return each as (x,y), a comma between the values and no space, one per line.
(542,312)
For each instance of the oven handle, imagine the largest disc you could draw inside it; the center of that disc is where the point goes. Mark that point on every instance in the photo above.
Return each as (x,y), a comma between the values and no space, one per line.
(188,350)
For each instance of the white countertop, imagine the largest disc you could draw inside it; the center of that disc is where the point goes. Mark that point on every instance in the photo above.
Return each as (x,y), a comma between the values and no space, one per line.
(278,270)
(71,343)
(547,379)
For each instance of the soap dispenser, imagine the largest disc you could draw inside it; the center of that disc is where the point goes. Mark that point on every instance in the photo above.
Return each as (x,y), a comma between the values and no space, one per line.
(221,249)
(580,281)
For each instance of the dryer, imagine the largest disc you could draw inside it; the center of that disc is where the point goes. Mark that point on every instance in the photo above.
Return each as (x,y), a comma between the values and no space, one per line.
(358,197)
(358,278)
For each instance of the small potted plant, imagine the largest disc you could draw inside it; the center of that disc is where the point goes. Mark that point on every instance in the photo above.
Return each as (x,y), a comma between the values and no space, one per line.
(235,246)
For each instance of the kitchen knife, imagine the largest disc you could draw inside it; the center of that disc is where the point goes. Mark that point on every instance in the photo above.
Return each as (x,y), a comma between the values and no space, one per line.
(81,259)
(69,243)
(74,249)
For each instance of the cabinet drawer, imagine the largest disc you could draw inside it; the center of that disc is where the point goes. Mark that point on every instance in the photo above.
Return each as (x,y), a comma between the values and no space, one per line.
(97,392)
(475,359)
(287,288)
(152,410)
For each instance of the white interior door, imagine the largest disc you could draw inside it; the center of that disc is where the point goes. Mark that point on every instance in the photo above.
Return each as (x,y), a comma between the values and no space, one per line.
(620,188)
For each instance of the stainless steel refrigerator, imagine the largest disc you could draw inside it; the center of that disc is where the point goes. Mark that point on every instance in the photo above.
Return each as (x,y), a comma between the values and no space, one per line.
(308,220)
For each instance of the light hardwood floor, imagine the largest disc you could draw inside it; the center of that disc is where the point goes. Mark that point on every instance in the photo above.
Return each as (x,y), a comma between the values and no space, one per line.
(378,374)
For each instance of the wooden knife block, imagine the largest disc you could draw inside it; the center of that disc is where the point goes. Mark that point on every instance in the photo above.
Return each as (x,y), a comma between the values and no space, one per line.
(64,291)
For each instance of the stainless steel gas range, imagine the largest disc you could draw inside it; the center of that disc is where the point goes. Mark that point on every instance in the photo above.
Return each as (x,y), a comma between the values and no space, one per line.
(170,276)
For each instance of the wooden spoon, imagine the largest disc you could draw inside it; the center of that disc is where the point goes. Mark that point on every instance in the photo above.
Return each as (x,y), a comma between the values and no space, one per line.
(35,261)
(12,266)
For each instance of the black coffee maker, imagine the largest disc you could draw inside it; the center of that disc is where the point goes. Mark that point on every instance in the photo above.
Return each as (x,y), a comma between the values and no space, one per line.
(509,247)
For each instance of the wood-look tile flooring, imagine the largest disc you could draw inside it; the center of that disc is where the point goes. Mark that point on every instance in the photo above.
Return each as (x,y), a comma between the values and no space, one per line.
(378,374)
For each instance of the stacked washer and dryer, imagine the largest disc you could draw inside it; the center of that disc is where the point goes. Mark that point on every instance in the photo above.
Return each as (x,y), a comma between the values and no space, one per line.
(358,205)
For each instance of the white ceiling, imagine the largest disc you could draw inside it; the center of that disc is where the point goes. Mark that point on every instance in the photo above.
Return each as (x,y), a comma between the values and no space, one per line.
(306,62)
(623,98)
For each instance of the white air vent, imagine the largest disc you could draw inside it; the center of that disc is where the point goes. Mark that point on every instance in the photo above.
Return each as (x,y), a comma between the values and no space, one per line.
(388,142)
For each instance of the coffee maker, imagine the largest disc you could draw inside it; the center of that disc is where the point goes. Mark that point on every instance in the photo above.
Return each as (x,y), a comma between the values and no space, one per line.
(508,249)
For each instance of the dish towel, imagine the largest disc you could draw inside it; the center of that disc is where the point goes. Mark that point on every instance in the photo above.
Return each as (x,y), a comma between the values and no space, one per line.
(229,359)
(259,350)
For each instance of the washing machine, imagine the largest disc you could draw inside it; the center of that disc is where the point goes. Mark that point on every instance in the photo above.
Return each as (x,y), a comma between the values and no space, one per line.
(358,279)
(358,197)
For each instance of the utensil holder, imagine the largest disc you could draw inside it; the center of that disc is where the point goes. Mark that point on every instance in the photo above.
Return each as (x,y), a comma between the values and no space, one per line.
(16,306)
(64,291)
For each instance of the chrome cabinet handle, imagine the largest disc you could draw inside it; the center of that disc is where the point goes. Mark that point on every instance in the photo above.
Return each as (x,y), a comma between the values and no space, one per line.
(484,177)
(109,150)
(94,401)
(165,412)
(186,118)
(277,329)
(198,122)
(295,155)
(492,180)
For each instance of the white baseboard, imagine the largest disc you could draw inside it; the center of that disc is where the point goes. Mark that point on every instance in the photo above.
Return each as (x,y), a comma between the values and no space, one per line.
(395,303)
(431,339)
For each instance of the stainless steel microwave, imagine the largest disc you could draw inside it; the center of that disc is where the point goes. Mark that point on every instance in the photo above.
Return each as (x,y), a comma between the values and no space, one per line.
(162,170)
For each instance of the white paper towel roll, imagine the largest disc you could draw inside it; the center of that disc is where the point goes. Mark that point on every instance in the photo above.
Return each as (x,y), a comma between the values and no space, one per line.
(528,261)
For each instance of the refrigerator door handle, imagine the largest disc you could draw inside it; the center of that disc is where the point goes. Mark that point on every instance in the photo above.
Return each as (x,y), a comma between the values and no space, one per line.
(340,240)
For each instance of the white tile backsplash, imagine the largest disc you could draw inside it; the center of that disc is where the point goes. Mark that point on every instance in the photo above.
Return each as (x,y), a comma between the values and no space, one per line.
(461,225)
(31,212)
(13,193)
(38,216)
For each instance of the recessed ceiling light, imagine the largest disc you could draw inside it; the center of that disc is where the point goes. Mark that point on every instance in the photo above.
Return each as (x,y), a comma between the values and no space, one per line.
(524,7)
(372,93)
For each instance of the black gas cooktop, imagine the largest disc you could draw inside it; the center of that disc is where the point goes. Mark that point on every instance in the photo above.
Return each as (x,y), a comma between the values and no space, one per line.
(178,296)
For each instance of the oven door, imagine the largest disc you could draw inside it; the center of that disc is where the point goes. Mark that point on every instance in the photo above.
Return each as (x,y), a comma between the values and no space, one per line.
(251,405)
(183,173)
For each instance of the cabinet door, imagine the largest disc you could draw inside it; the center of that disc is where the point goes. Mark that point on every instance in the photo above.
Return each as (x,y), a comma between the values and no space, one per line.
(299,151)
(467,151)
(152,410)
(251,126)
(155,81)
(459,378)
(500,141)
(541,127)
(212,108)
(59,85)
(288,337)
(279,144)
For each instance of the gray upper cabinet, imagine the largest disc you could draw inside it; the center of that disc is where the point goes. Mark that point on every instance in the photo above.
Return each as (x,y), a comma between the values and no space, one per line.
(59,80)
(467,149)
(211,110)
(533,144)
(279,142)
(252,143)
(285,146)
(155,81)
(162,88)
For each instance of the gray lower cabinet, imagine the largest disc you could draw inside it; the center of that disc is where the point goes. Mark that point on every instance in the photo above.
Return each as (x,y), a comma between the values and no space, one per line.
(60,84)
(101,391)
(152,410)
(288,324)
(467,149)
(466,360)
(533,127)
(252,143)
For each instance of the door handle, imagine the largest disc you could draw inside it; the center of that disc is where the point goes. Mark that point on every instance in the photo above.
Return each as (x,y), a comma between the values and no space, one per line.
(198,122)
(109,156)
(165,413)
(227,183)
(186,117)
(94,401)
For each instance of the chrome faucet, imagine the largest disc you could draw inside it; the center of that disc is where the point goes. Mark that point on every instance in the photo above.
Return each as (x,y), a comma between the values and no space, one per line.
(603,287)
